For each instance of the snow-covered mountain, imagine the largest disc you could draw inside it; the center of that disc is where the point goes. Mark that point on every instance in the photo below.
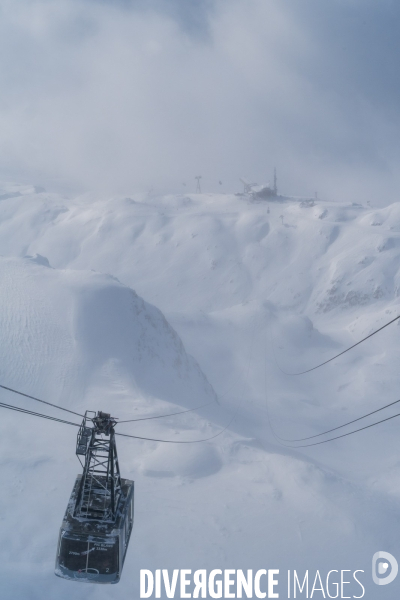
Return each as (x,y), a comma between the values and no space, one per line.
(72,334)
(249,289)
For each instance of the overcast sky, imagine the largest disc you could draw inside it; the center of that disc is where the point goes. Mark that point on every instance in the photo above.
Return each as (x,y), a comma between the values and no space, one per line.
(128,95)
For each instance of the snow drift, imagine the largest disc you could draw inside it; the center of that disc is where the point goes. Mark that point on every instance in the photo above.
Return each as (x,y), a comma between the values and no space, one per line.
(66,332)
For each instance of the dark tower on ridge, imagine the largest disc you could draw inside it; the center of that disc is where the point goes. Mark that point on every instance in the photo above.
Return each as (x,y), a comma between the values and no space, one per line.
(275,184)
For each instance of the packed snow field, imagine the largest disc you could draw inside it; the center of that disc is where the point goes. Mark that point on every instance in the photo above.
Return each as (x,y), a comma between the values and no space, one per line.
(149,305)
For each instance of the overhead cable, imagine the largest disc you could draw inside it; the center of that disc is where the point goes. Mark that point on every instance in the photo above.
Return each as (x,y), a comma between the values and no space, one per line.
(344,434)
(42,401)
(35,414)
(137,437)
(181,412)
(340,353)
(310,437)
(280,439)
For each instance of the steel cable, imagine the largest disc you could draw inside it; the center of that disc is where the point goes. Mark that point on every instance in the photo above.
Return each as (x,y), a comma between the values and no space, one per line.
(340,353)
(38,400)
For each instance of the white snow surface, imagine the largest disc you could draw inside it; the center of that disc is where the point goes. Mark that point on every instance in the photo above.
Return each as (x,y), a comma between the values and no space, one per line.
(229,293)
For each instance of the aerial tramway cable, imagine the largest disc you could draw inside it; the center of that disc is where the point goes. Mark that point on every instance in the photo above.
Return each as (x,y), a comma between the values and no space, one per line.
(80,415)
(181,412)
(38,400)
(343,434)
(310,437)
(281,439)
(35,414)
(340,353)
(138,437)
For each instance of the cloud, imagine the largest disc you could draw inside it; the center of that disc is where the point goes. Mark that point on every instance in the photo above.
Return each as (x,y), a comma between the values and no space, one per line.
(133,95)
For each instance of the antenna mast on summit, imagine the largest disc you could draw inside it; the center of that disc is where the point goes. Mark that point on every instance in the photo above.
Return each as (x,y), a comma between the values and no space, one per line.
(275,183)
(198,188)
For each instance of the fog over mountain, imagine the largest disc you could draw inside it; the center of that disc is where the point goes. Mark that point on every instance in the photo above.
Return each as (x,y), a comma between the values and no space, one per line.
(146,95)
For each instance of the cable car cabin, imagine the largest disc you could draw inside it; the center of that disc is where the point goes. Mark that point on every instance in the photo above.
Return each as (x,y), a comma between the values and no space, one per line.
(97,525)
(94,551)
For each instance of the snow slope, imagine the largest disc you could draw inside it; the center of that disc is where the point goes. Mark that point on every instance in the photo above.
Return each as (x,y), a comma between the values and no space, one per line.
(68,332)
(250,287)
